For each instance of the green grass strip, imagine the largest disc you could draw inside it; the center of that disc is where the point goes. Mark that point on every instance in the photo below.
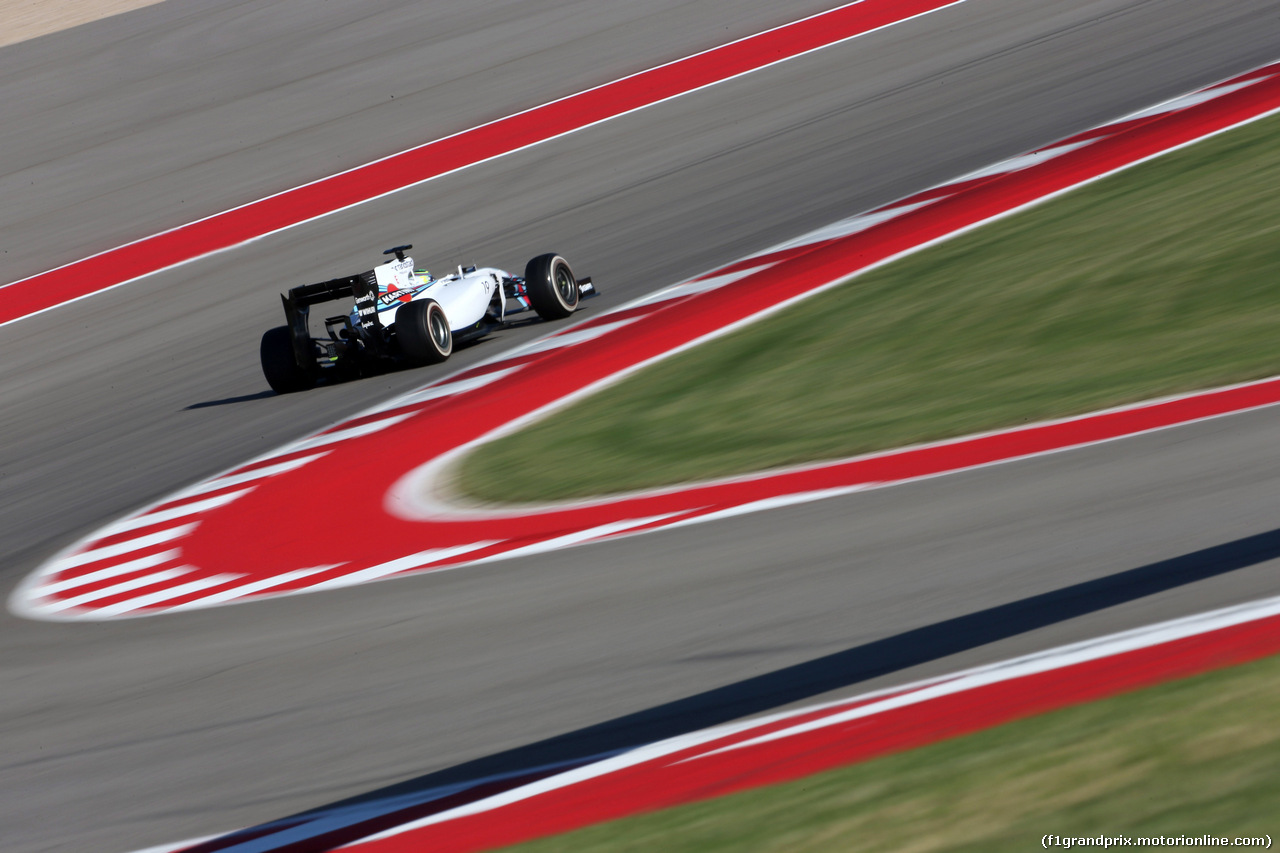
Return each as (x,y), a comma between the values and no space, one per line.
(1193,757)
(1158,280)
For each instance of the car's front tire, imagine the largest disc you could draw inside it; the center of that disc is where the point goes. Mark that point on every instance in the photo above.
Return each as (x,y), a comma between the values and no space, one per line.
(423,332)
(552,289)
(279,365)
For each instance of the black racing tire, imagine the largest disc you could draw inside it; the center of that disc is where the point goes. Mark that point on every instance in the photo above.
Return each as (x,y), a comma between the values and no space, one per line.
(552,289)
(423,332)
(278,364)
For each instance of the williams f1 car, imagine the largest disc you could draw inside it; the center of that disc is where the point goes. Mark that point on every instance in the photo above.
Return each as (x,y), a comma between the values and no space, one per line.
(404,315)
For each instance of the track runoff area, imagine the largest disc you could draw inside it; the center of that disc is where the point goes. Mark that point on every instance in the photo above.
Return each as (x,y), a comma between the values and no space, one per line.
(227,541)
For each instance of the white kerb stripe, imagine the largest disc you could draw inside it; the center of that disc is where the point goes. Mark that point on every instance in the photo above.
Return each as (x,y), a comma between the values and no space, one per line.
(568,339)
(852,225)
(631,758)
(699,285)
(402,564)
(153,518)
(341,435)
(250,588)
(146,562)
(581,536)
(446,389)
(166,594)
(765,504)
(1191,100)
(246,476)
(106,552)
(1035,158)
(115,589)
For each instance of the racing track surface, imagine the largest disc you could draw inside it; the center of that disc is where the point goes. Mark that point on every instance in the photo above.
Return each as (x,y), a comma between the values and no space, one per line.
(126,734)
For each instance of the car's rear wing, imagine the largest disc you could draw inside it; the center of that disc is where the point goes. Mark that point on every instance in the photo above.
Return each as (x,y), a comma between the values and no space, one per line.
(363,287)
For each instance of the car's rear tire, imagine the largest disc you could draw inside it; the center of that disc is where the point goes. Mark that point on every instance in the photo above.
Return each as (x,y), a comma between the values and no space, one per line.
(278,364)
(423,331)
(552,289)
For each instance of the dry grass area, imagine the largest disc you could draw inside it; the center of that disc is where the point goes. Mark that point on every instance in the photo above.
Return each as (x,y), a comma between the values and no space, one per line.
(25,19)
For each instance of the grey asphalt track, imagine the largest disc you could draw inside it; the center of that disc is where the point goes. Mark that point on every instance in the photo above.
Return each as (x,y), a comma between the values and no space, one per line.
(121,735)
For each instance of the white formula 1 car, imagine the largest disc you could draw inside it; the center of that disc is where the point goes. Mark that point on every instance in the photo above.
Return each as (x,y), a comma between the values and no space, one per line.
(403,315)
